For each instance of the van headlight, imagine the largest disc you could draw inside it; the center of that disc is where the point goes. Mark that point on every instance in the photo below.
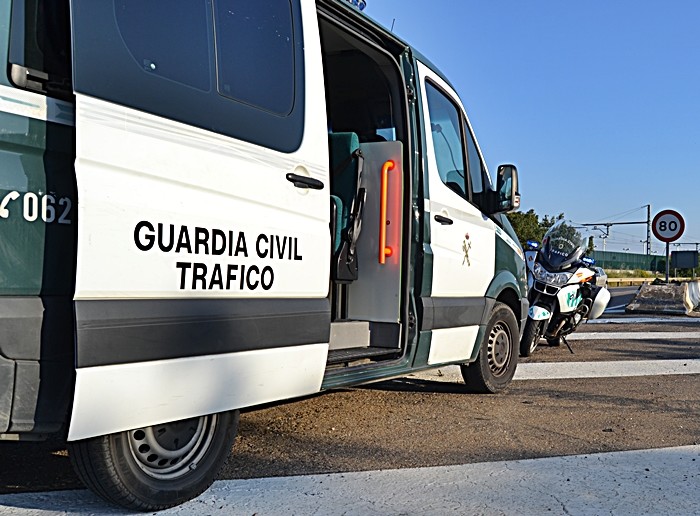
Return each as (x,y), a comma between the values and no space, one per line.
(551,278)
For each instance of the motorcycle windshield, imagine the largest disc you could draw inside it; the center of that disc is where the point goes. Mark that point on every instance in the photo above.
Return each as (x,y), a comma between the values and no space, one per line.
(564,244)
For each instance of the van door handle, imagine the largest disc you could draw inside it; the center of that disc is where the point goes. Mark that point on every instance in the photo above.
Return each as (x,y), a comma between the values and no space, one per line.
(445,221)
(304,182)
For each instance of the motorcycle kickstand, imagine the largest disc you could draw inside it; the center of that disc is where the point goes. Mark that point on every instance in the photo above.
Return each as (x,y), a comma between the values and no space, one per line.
(567,344)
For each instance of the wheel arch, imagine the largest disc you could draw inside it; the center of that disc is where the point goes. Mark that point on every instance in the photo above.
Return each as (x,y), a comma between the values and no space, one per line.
(506,289)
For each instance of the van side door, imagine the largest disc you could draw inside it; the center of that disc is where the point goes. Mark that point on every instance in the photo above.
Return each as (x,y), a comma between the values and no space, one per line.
(203,239)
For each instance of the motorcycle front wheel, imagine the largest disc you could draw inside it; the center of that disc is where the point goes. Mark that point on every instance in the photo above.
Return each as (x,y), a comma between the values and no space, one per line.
(531,337)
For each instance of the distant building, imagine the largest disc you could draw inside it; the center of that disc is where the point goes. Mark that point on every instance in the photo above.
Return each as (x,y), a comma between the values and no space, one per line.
(617,260)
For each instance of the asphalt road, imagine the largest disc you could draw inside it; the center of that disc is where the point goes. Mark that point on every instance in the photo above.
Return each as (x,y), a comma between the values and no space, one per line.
(620,297)
(426,421)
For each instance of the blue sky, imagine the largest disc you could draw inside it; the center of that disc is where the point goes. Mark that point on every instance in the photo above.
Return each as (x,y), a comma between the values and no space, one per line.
(596,102)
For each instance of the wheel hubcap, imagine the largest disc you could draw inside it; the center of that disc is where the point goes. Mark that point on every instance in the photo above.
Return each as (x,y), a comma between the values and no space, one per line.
(174,449)
(499,349)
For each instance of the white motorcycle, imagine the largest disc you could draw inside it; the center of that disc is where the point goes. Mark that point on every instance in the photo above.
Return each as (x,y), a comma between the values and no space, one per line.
(561,286)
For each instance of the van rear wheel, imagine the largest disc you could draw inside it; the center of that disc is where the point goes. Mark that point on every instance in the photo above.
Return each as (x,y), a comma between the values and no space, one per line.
(498,356)
(156,467)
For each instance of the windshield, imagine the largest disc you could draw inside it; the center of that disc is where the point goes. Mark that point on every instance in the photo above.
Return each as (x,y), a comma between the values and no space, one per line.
(564,244)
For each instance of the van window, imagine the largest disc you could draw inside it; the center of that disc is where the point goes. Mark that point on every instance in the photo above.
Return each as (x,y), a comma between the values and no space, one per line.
(476,168)
(255,53)
(446,128)
(40,42)
(148,29)
(160,57)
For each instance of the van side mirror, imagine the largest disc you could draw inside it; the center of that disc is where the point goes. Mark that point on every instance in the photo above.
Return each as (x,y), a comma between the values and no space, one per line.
(506,198)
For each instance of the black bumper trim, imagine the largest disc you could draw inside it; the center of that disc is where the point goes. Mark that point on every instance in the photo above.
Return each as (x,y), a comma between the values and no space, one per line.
(452,312)
(126,331)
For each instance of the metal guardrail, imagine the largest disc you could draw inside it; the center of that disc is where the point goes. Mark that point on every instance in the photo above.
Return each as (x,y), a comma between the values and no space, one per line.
(628,282)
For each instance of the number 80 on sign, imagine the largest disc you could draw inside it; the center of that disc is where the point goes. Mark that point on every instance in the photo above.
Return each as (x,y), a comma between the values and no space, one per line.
(668,226)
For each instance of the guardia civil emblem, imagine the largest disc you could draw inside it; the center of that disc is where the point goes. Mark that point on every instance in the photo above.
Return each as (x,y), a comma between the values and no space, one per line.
(466,246)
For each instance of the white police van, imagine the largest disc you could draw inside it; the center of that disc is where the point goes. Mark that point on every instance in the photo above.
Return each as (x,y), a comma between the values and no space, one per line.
(207,205)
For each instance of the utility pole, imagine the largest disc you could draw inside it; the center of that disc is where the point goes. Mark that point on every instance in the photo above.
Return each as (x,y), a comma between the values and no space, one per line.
(648,229)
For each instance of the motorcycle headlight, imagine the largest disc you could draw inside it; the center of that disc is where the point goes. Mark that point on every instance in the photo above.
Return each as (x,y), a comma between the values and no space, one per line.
(551,278)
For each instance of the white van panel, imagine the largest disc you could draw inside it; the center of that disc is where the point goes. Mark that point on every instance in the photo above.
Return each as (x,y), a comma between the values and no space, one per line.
(32,105)
(127,396)
(464,253)
(135,167)
(452,344)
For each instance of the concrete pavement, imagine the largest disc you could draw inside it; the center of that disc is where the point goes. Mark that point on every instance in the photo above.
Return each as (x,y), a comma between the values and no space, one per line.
(659,481)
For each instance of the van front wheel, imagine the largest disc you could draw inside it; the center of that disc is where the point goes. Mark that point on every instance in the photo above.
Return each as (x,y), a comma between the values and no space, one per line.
(156,467)
(498,356)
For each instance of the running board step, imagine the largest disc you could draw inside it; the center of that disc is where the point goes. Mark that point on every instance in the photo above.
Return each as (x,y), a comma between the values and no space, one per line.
(340,356)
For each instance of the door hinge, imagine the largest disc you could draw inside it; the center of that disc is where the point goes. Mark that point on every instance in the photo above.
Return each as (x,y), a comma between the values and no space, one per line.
(410,93)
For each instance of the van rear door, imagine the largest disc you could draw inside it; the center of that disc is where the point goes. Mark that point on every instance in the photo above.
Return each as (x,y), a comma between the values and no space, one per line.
(203,239)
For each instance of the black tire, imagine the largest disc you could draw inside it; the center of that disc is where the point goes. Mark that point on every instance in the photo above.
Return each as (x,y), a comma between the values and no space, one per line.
(498,355)
(531,337)
(151,469)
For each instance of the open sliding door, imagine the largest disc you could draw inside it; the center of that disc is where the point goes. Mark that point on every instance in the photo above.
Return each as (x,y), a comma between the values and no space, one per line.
(203,209)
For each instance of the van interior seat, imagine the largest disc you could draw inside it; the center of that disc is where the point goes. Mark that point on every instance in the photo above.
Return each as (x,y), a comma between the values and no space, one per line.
(336,227)
(347,198)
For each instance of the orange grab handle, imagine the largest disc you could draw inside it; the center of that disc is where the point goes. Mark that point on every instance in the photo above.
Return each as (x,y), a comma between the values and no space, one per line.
(384,251)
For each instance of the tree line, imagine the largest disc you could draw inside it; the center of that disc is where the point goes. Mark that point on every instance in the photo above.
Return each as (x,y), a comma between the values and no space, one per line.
(529,226)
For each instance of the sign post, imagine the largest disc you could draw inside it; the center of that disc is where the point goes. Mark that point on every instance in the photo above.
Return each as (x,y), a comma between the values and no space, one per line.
(668,226)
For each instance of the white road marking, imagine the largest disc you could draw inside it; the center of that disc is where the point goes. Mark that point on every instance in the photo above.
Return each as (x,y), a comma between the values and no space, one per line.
(643,320)
(567,370)
(614,311)
(641,482)
(615,308)
(635,335)
(572,370)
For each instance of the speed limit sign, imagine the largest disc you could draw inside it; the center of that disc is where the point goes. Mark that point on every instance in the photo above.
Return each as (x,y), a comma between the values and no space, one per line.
(668,225)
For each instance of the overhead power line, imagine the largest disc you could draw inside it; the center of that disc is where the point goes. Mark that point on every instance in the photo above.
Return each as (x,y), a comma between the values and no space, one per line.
(608,225)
